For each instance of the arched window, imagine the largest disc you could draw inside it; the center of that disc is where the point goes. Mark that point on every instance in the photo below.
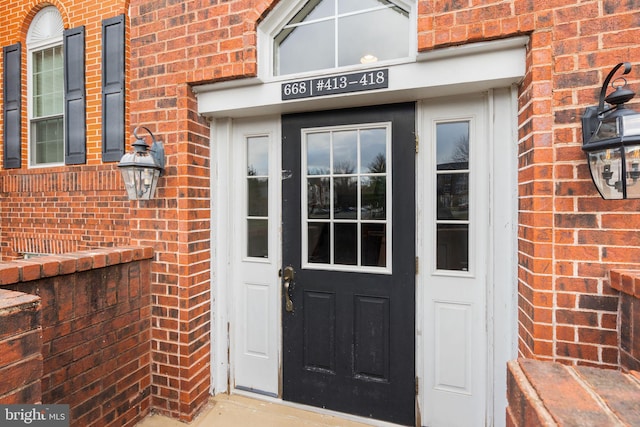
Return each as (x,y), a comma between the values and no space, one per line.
(46,88)
(326,34)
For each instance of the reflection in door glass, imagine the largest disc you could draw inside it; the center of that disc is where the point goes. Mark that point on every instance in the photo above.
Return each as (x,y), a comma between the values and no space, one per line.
(257,197)
(318,238)
(319,196)
(318,153)
(346,194)
(452,196)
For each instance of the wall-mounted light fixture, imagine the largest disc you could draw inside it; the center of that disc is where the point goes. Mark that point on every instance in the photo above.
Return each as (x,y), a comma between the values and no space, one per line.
(142,167)
(611,141)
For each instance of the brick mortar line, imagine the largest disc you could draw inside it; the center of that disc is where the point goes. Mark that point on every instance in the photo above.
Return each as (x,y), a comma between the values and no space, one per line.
(587,387)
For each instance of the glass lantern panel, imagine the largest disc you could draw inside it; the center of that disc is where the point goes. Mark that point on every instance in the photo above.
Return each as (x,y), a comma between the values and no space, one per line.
(632,159)
(631,125)
(608,128)
(606,172)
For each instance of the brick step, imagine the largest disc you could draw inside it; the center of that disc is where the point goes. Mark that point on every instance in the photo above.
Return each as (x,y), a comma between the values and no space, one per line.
(551,394)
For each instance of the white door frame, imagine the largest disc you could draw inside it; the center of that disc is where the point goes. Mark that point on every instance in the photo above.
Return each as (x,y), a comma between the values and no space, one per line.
(438,73)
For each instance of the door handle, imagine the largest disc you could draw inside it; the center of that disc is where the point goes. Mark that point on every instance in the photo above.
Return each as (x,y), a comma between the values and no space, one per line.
(287,277)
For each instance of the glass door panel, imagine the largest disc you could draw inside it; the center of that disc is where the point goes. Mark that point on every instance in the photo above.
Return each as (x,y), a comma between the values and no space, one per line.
(346,196)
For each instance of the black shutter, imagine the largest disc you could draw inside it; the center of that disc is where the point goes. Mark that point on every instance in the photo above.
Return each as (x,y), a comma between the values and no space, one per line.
(113,46)
(75,129)
(12,106)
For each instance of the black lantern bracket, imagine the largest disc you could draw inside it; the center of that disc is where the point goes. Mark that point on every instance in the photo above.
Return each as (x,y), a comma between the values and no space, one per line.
(593,115)
(156,150)
(611,139)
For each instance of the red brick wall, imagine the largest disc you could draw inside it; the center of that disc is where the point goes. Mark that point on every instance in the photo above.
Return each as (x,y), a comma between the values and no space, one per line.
(568,237)
(62,209)
(20,348)
(96,331)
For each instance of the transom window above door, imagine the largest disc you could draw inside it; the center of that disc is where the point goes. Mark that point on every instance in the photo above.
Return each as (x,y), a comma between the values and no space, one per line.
(326,34)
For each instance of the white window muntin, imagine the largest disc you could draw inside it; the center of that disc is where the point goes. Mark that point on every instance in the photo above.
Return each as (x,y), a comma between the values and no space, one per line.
(388,200)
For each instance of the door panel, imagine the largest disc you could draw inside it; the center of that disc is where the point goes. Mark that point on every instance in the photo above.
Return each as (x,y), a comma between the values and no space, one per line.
(348,212)
(455,233)
(254,241)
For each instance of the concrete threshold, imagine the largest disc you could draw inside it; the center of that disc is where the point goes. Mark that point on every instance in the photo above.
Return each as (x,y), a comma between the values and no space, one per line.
(235,410)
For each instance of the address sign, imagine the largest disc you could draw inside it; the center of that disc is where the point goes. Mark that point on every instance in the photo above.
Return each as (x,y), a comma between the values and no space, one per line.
(331,85)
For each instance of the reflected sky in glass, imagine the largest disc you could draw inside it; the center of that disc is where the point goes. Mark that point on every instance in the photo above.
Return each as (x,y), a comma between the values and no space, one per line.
(308,41)
(452,150)
(345,152)
(373,150)
(258,156)
(318,153)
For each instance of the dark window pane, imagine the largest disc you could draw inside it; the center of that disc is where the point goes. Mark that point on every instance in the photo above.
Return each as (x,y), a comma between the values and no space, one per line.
(318,198)
(346,244)
(374,245)
(452,140)
(453,196)
(258,238)
(453,247)
(258,196)
(374,197)
(345,193)
(318,242)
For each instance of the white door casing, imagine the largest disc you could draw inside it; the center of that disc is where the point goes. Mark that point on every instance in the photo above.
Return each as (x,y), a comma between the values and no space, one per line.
(499,109)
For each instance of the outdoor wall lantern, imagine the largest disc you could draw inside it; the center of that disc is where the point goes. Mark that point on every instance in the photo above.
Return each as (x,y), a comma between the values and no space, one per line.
(611,141)
(142,167)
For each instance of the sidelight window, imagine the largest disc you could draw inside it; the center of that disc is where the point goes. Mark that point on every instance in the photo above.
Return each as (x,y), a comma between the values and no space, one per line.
(346,194)
(452,181)
(257,180)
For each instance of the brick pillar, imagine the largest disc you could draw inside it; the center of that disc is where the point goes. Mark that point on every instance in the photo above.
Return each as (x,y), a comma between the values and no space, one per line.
(177,224)
(535,232)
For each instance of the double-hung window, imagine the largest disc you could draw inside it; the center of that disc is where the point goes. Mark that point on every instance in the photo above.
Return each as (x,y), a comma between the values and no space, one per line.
(46,88)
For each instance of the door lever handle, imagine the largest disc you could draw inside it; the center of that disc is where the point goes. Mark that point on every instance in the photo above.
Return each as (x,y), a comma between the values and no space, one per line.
(287,277)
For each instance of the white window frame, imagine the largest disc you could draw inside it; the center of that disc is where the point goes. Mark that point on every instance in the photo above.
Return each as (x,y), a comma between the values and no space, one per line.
(471,221)
(45,32)
(284,11)
(304,220)
(245,204)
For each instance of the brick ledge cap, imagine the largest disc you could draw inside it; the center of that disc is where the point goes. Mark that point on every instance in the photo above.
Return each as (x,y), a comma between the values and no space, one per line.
(51,265)
(626,281)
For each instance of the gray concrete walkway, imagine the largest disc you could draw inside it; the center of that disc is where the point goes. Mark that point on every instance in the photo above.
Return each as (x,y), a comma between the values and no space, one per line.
(239,411)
